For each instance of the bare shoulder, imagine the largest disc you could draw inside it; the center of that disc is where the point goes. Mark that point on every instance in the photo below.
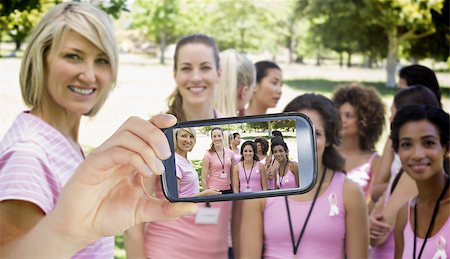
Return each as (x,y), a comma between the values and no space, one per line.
(352,192)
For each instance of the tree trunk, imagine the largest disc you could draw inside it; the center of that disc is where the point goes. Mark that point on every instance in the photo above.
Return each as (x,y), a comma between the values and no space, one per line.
(341,60)
(349,59)
(391,62)
(162,48)
(291,50)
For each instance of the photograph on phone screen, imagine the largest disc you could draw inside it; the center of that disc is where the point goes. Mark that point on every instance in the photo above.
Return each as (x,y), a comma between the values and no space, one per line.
(236,158)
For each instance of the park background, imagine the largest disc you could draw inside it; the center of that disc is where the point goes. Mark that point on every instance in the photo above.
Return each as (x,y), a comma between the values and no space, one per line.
(319,44)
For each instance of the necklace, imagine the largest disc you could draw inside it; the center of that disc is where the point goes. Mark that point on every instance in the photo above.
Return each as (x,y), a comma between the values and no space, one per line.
(430,227)
(221,163)
(251,171)
(291,228)
(284,173)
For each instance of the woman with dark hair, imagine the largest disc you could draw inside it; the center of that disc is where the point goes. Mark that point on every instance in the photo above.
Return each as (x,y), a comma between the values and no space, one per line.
(395,186)
(295,225)
(262,146)
(249,175)
(235,140)
(267,93)
(419,75)
(420,135)
(362,116)
(286,174)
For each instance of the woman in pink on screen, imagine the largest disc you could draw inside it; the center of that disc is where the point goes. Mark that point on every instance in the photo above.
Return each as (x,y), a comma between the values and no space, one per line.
(330,221)
(286,174)
(187,177)
(249,175)
(217,164)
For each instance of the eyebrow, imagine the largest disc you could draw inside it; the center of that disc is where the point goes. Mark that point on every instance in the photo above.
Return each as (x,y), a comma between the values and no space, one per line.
(101,53)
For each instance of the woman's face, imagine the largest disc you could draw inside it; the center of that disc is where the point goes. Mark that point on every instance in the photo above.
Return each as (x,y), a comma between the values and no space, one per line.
(321,140)
(420,149)
(237,140)
(279,153)
(268,92)
(349,120)
(248,153)
(78,74)
(217,137)
(185,140)
(259,148)
(196,75)
(402,83)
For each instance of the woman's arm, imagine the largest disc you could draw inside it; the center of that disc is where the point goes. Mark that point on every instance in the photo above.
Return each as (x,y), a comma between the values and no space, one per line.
(379,229)
(205,172)
(357,222)
(133,239)
(382,171)
(251,232)
(235,179)
(262,170)
(109,180)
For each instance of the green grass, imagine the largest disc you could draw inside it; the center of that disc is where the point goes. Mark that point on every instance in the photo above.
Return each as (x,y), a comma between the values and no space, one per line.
(119,249)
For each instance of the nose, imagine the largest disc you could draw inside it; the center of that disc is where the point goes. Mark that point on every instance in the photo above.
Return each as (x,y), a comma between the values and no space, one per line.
(87,74)
(418,152)
(196,75)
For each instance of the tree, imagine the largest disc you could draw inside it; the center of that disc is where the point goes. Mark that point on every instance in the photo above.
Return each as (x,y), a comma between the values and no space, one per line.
(402,21)
(159,21)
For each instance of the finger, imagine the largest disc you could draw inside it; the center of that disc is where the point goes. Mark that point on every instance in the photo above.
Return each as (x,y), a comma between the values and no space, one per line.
(163,120)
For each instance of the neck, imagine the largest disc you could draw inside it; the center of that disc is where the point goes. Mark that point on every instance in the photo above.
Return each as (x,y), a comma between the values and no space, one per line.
(255,109)
(430,189)
(181,153)
(65,122)
(198,112)
(248,162)
(349,145)
(218,148)
(233,146)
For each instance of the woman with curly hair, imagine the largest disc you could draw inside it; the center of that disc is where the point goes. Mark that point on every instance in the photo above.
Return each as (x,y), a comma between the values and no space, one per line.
(362,115)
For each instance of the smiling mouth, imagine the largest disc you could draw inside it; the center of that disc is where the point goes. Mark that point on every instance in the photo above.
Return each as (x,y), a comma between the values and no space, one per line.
(82,91)
(196,89)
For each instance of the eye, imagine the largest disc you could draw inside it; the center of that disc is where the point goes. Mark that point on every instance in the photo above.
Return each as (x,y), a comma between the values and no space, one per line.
(429,143)
(404,144)
(206,68)
(72,56)
(185,69)
(102,61)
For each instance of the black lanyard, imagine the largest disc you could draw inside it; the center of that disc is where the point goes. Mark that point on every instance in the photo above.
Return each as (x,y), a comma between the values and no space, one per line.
(251,171)
(430,227)
(222,163)
(295,246)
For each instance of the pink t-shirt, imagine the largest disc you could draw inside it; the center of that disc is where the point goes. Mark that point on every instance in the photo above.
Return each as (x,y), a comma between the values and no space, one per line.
(36,161)
(188,177)
(215,168)
(324,236)
(438,244)
(250,178)
(287,181)
(183,238)
(362,174)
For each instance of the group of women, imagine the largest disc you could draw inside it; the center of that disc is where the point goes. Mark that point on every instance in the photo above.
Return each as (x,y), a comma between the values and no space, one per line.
(48,188)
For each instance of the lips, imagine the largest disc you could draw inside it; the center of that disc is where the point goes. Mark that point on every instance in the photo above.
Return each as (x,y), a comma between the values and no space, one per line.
(196,89)
(82,91)
(419,166)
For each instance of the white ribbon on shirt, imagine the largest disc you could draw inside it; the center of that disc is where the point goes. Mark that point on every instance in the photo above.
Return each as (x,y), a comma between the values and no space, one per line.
(334,210)
(440,253)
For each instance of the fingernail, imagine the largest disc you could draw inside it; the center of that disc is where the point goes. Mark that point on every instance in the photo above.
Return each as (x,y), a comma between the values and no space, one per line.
(147,170)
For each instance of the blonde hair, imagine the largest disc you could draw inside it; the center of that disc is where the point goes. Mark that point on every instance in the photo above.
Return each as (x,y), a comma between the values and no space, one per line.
(83,18)
(237,71)
(189,130)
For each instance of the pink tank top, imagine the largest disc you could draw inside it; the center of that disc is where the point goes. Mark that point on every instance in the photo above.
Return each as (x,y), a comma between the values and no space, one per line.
(188,177)
(439,244)
(183,238)
(215,180)
(324,236)
(250,178)
(362,174)
(287,181)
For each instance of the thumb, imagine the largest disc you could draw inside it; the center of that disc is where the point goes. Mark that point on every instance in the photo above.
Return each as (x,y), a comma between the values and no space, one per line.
(159,209)
(163,120)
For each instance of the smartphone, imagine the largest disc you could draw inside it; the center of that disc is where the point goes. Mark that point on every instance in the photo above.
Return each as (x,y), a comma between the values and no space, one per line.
(240,158)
